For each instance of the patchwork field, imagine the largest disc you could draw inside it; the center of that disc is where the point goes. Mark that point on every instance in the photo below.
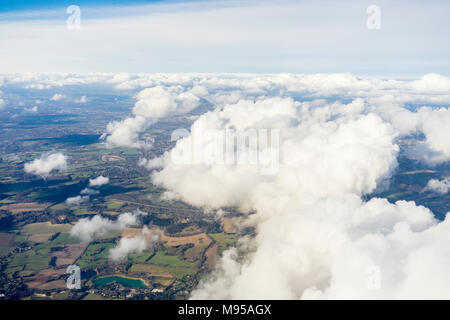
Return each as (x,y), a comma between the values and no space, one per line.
(95,254)
(39,278)
(69,254)
(42,231)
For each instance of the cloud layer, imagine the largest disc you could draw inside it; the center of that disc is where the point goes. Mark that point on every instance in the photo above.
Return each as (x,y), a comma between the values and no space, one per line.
(315,235)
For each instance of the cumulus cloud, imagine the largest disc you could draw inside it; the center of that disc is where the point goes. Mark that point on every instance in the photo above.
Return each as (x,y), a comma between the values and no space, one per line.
(82,99)
(47,163)
(99,181)
(89,191)
(151,163)
(76,201)
(88,229)
(315,235)
(438,186)
(152,104)
(58,97)
(31,110)
(136,244)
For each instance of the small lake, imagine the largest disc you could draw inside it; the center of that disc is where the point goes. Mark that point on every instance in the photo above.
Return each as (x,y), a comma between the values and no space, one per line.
(127,282)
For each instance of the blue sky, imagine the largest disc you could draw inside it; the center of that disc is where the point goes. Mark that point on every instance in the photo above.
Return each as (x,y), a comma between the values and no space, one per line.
(320,36)
(11,6)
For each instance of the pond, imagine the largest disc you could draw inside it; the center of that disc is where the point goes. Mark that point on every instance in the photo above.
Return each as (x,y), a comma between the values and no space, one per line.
(127,282)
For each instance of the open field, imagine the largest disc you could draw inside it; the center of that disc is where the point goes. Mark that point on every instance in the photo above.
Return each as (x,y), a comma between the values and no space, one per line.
(223,240)
(6,239)
(197,239)
(162,271)
(212,256)
(95,254)
(16,208)
(41,277)
(228,225)
(69,254)
(6,243)
(42,231)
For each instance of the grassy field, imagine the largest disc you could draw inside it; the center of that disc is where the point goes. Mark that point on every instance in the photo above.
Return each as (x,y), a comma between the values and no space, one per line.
(162,259)
(140,257)
(223,240)
(162,271)
(41,232)
(95,254)
(114,205)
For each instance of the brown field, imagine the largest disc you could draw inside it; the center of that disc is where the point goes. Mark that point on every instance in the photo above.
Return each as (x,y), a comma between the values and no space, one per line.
(111,213)
(163,281)
(194,254)
(200,239)
(6,239)
(154,270)
(228,225)
(211,256)
(70,253)
(15,208)
(42,276)
(107,158)
(51,285)
(133,232)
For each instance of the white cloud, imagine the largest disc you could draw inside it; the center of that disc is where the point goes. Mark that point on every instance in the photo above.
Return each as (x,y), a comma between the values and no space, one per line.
(58,97)
(438,186)
(432,82)
(152,104)
(47,163)
(2,101)
(99,181)
(77,200)
(315,236)
(151,163)
(89,228)
(89,191)
(136,244)
(82,99)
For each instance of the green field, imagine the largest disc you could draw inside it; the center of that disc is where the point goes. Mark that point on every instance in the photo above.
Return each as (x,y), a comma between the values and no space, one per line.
(140,257)
(162,259)
(162,271)
(223,240)
(95,254)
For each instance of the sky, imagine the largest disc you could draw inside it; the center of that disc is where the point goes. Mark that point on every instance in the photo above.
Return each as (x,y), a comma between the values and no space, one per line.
(226,36)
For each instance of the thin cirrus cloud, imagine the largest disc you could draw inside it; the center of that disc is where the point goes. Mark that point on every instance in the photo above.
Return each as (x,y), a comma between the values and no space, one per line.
(237,36)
